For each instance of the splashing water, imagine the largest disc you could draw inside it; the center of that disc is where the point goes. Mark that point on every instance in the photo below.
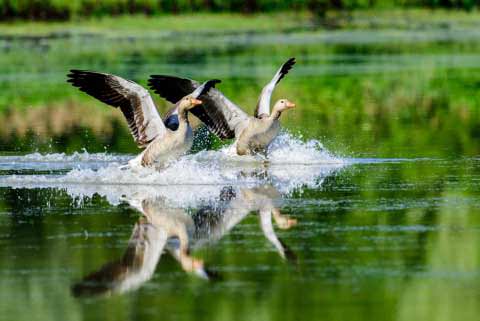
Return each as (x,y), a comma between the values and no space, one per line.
(193,178)
(75,157)
(59,161)
(287,149)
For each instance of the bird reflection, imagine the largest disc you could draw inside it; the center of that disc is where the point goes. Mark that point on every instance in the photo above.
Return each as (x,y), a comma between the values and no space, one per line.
(174,231)
(214,222)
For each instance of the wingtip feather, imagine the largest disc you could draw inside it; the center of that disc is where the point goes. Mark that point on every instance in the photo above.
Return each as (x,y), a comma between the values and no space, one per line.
(288,65)
(209,84)
(286,68)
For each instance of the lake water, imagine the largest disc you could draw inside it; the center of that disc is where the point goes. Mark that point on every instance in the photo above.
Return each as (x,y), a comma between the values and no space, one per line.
(368,209)
(358,238)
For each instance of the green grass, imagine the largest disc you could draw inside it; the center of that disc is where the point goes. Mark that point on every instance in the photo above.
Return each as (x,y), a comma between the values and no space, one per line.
(236,22)
(136,24)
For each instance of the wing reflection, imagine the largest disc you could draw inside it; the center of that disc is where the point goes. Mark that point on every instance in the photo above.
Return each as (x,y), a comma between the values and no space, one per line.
(163,229)
(214,222)
(151,235)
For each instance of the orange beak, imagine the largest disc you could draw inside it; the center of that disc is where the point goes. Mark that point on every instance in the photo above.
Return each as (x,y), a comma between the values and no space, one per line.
(290,104)
(196,102)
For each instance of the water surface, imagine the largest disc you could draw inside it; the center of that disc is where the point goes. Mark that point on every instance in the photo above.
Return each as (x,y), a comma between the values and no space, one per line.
(363,238)
(367,209)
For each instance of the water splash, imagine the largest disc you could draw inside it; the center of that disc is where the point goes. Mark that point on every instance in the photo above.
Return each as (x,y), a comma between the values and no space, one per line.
(287,149)
(292,164)
(58,161)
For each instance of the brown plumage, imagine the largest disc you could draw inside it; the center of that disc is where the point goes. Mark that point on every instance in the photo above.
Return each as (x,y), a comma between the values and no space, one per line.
(133,100)
(224,118)
(210,112)
(162,142)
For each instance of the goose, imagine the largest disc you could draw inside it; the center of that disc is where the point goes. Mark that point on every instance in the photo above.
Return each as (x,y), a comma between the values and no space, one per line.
(162,141)
(252,134)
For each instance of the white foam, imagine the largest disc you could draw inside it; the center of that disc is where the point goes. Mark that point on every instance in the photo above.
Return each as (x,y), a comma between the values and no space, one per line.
(287,149)
(174,196)
(58,161)
(83,156)
(292,164)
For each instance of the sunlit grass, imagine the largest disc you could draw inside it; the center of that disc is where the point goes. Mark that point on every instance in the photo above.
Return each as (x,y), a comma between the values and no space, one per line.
(258,22)
(139,24)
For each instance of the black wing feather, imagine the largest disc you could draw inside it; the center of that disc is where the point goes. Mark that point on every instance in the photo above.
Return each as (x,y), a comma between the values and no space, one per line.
(98,86)
(119,93)
(171,88)
(286,68)
(174,88)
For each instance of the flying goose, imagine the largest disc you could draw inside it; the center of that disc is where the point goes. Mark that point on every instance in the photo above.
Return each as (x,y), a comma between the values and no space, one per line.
(225,119)
(162,140)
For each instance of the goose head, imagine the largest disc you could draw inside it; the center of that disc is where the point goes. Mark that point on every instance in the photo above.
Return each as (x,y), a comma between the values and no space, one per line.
(188,102)
(185,104)
(281,105)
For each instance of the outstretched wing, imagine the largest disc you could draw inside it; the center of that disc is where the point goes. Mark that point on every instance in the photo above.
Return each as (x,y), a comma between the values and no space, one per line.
(136,267)
(263,105)
(218,113)
(171,117)
(205,87)
(134,101)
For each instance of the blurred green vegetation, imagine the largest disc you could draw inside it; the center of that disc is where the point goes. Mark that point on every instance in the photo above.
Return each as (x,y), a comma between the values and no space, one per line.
(64,10)
(386,84)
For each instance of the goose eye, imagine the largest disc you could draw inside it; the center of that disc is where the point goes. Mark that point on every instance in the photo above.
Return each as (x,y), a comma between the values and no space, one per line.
(282,101)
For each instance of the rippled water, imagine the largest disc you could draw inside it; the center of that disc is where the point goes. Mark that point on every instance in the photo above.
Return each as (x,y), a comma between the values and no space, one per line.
(220,237)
